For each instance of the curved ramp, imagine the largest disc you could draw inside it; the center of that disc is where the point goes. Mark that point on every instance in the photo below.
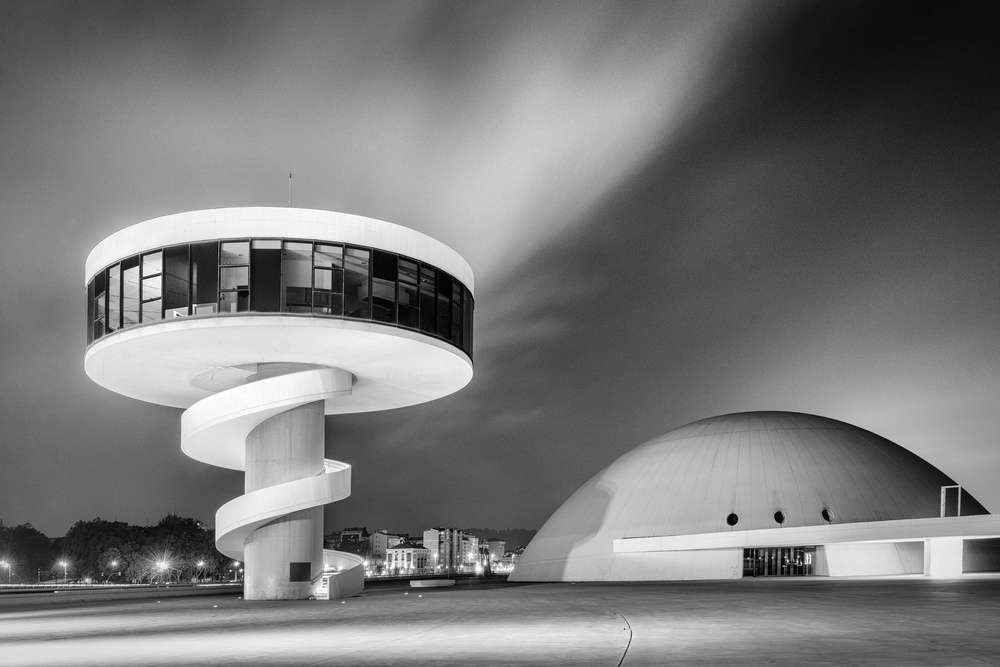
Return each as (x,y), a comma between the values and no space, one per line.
(241,516)
(343,575)
(214,430)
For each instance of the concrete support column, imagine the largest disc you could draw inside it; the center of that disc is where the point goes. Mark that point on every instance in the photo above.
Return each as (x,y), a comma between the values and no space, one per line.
(943,557)
(284,556)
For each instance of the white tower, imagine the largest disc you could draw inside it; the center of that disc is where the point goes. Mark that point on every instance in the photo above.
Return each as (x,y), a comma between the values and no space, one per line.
(259,322)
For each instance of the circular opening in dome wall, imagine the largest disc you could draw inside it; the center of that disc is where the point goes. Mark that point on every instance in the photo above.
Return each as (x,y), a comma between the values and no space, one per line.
(827,514)
(779,516)
(732,519)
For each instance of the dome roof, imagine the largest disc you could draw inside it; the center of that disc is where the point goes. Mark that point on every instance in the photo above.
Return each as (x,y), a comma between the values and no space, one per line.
(730,473)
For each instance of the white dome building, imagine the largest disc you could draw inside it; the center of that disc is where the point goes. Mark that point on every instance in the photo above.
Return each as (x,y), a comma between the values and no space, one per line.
(759,493)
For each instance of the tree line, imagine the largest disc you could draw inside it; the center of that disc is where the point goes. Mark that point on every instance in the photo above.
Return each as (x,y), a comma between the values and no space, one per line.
(176,549)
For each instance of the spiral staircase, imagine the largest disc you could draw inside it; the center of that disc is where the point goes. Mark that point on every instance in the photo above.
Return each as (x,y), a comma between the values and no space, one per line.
(215,430)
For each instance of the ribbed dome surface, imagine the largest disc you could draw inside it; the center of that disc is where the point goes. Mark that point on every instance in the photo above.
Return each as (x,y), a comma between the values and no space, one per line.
(750,464)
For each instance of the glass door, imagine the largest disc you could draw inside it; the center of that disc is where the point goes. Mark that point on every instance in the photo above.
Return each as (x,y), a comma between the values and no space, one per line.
(778,561)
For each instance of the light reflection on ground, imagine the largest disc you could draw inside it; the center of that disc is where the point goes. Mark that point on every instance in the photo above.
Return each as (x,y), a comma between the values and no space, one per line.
(790,622)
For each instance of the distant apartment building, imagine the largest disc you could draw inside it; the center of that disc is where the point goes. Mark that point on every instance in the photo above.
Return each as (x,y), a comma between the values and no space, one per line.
(381,540)
(470,550)
(407,558)
(446,547)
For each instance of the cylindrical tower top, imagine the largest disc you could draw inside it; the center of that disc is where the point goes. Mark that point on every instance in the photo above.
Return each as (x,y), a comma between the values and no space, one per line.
(272,222)
(186,305)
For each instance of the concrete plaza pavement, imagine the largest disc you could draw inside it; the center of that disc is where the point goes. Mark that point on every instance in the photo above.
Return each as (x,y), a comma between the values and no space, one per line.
(900,621)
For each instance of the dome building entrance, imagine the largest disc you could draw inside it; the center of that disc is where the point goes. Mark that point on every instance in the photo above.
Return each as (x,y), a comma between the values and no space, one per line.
(779,562)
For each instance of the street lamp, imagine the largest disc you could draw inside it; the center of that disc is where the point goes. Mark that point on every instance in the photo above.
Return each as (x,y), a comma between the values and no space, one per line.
(201,567)
(162,566)
(236,566)
(65,576)
(6,564)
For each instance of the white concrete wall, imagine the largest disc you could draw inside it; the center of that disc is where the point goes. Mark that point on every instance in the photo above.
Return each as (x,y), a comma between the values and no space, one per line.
(646,566)
(901,530)
(878,558)
(347,583)
(943,557)
(678,566)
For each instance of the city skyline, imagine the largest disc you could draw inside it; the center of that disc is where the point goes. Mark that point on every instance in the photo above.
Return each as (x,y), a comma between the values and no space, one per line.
(672,210)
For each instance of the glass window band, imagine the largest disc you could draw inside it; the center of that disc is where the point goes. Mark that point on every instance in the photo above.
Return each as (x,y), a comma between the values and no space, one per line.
(288,276)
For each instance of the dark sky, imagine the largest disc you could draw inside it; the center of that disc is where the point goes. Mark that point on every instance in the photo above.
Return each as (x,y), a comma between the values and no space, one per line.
(673,211)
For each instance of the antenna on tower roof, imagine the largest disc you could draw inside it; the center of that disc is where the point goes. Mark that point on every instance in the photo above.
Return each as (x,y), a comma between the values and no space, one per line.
(289,189)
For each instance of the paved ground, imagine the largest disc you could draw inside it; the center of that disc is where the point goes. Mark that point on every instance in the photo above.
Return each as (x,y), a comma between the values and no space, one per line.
(793,622)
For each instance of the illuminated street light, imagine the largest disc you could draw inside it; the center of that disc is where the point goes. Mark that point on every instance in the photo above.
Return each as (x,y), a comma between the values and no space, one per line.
(6,564)
(161,565)
(65,576)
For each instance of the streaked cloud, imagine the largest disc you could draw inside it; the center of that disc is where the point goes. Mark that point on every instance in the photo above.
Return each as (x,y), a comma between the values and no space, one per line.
(673,210)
